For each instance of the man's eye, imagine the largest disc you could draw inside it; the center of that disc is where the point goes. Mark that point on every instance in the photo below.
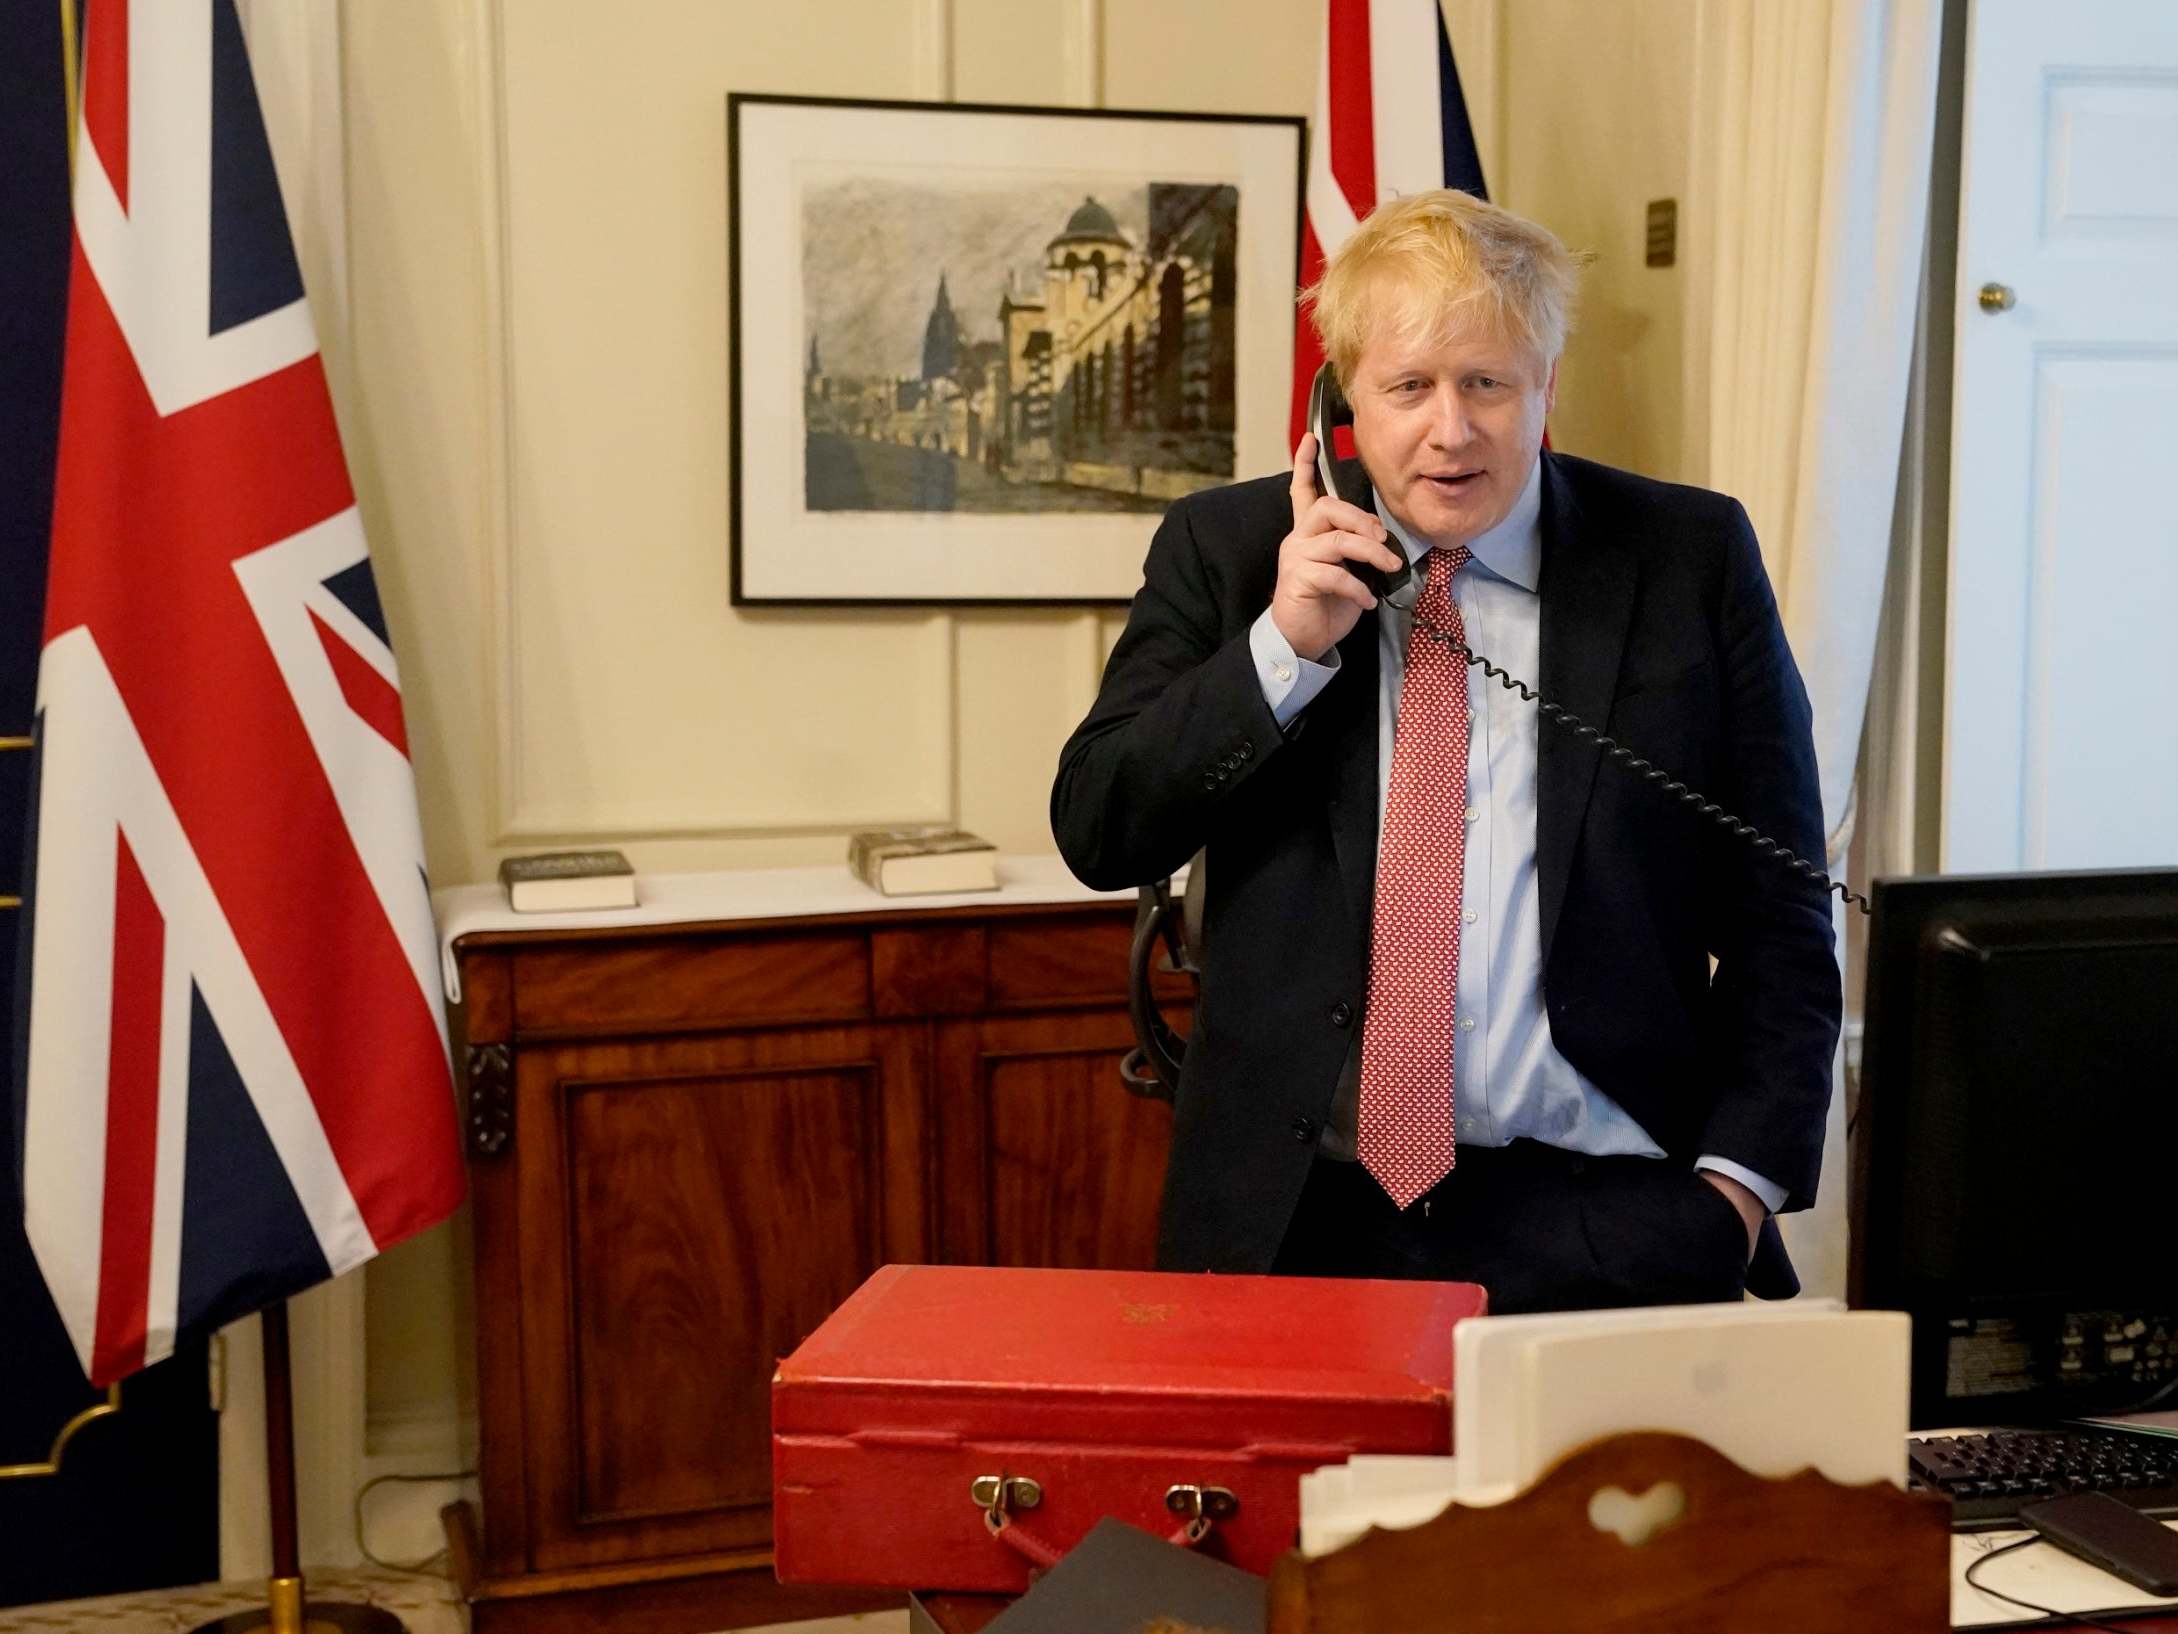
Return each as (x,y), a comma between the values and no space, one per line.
(1487,382)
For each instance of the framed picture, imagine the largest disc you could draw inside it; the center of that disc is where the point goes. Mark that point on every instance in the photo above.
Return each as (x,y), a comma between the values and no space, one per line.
(977,349)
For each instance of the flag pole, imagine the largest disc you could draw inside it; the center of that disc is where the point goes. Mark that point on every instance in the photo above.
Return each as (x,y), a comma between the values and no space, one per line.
(71,79)
(285,1611)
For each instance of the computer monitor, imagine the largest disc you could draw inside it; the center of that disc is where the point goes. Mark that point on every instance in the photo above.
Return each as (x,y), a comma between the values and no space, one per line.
(2014,1181)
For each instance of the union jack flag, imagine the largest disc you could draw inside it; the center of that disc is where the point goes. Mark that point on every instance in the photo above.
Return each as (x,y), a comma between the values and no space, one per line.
(237,1076)
(1390,119)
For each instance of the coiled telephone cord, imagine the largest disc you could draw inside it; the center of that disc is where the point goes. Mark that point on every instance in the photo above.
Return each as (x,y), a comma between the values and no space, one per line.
(1655,775)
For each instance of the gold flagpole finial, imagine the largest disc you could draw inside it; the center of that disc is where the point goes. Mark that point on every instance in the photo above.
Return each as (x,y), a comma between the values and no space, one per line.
(71,80)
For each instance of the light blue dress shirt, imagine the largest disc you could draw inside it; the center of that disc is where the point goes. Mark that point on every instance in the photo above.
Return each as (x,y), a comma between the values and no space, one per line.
(1509,1081)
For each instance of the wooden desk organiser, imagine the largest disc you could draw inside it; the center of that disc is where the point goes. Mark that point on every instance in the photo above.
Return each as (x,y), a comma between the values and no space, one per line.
(1801,1555)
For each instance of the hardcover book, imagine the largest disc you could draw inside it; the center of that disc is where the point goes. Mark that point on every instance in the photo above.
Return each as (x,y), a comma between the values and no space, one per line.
(1122,1580)
(922,861)
(564,881)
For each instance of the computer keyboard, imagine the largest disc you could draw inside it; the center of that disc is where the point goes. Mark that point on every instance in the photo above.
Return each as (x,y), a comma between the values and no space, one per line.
(1990,1476)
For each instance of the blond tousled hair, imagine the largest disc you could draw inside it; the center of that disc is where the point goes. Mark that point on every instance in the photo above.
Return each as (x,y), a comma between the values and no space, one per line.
(1432,265)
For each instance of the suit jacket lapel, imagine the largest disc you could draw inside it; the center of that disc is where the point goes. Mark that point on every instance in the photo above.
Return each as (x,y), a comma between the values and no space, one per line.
(1353,729)
(1587,591)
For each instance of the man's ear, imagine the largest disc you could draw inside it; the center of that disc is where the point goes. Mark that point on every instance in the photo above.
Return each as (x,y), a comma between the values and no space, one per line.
(1550,388)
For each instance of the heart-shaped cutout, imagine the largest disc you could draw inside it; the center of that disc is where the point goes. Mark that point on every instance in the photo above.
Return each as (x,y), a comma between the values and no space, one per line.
(1633,1521)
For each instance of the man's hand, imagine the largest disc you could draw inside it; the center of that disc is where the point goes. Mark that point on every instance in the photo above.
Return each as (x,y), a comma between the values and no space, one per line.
(1317,600)
(1749,1205)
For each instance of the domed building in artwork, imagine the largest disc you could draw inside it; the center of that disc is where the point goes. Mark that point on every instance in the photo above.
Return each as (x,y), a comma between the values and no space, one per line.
(1092,250)
(1125,355)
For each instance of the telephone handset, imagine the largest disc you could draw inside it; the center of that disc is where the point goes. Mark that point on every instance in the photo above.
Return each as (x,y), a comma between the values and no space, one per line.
(1327,410)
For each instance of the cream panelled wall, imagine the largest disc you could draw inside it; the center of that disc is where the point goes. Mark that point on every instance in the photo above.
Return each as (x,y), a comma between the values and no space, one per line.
(1597,118)
(542,375)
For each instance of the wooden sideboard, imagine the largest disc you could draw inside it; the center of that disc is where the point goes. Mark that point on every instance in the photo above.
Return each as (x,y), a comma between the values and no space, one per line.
(688,1144)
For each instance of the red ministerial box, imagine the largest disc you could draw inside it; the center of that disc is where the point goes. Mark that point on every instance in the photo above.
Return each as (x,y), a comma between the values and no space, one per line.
(951,1427)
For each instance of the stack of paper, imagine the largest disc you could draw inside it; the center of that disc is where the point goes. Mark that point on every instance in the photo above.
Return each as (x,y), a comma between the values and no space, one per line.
(1775,1388)
(1342,1501)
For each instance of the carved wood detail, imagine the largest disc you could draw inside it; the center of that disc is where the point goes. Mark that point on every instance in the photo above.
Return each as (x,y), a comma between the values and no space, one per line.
(1800,1555)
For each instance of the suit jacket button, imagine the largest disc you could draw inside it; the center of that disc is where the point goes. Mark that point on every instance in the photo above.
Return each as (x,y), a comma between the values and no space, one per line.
(1342,1014)
(1304,1129)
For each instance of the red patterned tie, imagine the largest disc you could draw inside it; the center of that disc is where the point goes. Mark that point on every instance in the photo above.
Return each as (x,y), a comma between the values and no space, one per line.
(1405,1136)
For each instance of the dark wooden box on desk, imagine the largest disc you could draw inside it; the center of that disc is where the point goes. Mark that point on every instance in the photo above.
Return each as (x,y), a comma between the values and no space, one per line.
(690,1142)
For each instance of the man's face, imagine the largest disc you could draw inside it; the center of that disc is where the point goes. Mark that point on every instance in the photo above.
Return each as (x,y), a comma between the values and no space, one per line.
(1449,429)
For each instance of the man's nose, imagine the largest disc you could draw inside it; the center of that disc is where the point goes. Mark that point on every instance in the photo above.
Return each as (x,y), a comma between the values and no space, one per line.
(1448,427)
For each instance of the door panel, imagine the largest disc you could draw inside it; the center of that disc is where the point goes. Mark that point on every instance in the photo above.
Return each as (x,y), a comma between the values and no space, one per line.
(686,1196)
(2059,750)
(721,1197)
(2102,596)
(1046,1160)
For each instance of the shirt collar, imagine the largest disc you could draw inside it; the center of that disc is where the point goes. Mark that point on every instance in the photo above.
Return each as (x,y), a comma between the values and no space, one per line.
(1512,550)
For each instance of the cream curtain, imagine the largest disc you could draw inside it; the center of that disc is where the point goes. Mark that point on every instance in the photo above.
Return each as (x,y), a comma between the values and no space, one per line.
(1809,189)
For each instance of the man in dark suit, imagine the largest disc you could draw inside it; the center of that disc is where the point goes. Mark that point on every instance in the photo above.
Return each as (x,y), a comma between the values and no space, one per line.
(1473,1005)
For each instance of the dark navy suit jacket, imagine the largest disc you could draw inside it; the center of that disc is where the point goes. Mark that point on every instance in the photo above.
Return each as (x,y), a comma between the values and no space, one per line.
(1659,626)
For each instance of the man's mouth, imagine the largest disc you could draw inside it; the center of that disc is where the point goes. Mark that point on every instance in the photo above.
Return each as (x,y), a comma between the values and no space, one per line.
(1453,482)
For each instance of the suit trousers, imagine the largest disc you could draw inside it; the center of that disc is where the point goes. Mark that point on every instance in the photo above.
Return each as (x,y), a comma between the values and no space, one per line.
(1542,1229)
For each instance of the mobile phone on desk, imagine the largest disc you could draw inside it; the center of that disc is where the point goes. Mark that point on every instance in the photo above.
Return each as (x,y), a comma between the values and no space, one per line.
(2107,1532)
(1345,479)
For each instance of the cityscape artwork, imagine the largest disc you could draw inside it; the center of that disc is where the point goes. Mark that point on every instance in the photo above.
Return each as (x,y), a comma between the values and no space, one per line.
(977,352)
(994,341)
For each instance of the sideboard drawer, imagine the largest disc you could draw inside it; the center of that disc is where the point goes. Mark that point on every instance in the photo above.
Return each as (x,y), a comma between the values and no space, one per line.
(1038,963)
(687,983)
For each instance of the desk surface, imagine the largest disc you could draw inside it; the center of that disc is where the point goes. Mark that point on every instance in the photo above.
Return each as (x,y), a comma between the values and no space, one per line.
(2044,1575)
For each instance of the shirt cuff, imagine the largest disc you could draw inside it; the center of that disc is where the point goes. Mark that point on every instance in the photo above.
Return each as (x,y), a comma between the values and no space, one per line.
(1289,681)
(1771,1193)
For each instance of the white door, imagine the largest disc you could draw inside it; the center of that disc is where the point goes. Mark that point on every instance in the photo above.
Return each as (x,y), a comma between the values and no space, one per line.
(2061,691)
